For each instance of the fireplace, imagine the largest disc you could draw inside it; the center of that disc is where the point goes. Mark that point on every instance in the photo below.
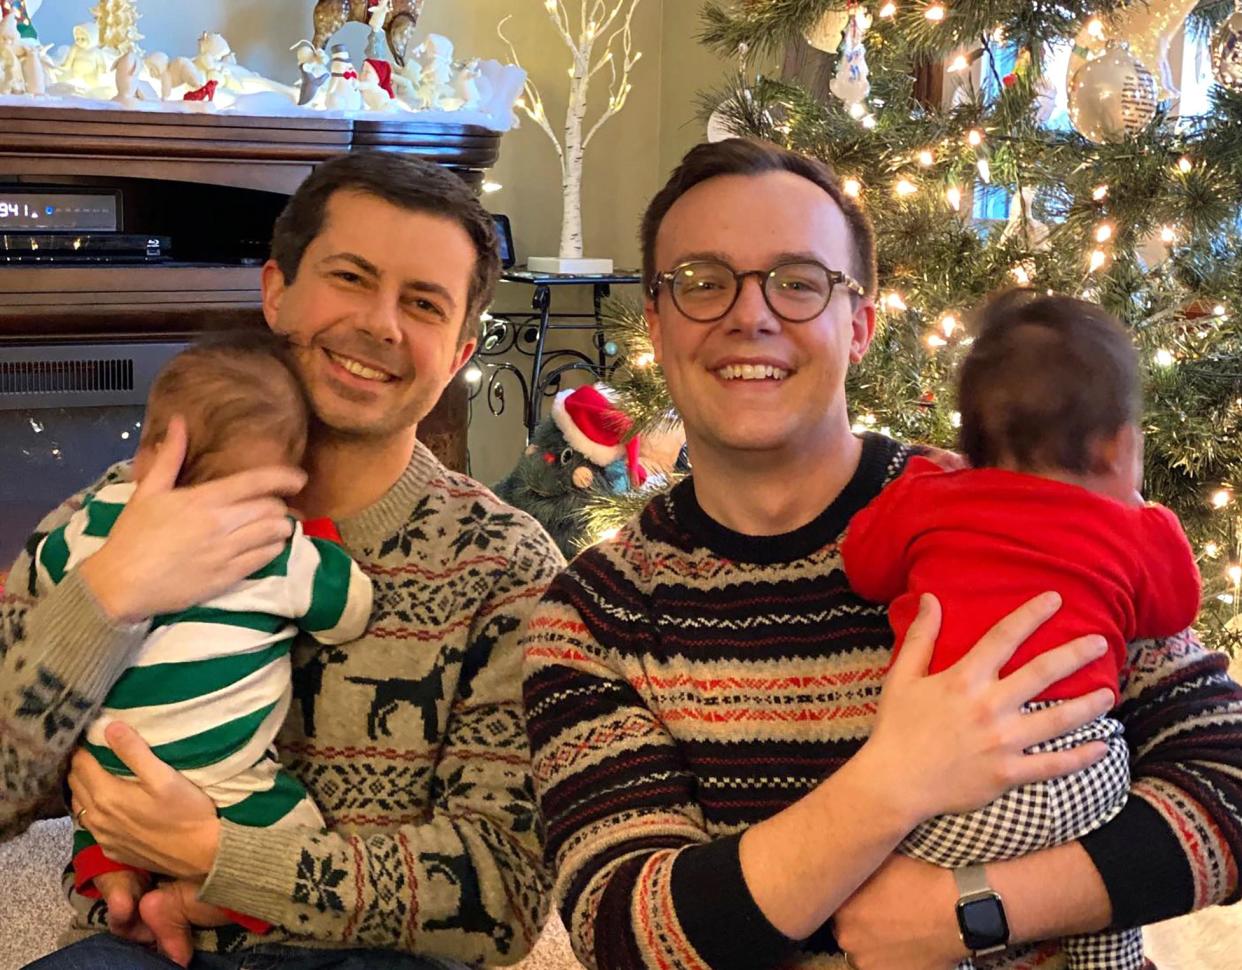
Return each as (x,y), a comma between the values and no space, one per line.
(67,412)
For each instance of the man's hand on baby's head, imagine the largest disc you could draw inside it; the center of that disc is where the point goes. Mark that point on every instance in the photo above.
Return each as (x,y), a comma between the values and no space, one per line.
(173,548)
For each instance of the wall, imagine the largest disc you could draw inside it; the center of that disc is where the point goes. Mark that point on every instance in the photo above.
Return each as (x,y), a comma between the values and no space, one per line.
(628,160)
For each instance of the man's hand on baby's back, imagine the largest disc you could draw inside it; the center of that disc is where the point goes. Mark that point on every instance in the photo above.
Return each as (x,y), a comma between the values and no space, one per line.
(173,548)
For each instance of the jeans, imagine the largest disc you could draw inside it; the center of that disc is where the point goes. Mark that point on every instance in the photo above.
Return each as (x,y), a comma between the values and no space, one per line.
(106,952)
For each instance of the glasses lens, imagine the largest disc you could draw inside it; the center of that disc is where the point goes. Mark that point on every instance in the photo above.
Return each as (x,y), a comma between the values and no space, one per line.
(798,291)
(703,291)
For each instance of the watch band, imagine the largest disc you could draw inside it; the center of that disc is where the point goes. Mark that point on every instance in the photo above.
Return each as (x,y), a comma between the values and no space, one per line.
(973,888)
(971,880)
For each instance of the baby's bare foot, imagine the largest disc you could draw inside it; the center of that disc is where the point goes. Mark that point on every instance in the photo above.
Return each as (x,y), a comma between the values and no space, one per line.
(164,911)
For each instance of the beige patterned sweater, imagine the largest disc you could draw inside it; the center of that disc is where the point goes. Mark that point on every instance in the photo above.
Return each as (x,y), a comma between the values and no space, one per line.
(410,739)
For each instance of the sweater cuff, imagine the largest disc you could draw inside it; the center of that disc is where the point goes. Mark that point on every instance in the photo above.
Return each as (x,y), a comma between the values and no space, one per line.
(81,645)
(1143,865)
(255,870)
(717,912)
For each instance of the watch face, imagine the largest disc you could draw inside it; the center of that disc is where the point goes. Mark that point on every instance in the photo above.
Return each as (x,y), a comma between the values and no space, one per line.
(982,922)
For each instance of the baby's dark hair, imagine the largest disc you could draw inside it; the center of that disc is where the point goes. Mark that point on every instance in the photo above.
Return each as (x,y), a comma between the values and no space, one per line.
(239,383)
(1046,379)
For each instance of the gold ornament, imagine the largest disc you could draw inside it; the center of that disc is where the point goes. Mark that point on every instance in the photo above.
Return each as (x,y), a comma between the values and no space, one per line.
(1227,52)
(1149,29)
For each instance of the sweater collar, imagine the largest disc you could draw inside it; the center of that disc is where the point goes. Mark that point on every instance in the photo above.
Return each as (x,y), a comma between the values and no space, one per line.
(396,506)
(878,453)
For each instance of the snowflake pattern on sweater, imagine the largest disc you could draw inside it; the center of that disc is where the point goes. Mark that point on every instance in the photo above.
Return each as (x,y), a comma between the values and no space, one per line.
(411,739)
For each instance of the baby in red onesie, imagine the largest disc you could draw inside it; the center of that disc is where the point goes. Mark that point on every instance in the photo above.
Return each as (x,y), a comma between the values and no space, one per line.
(1049,398)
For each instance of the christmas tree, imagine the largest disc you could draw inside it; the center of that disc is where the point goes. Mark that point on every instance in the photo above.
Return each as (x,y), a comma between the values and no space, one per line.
(942,117)
(118,24)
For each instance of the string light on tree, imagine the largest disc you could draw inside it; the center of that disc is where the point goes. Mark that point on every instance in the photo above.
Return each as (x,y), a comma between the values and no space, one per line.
(935,13)
(1164,358)
(954,195)
(1185,165)
(905,188)
(1104,232)
(1221,498)
(888,10)
(1100,193)
(926,158)
(852,187)
(974,138)
(895,302)
(1211,550)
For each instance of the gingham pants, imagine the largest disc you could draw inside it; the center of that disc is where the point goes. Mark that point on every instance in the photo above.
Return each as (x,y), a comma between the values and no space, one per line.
(1038,816)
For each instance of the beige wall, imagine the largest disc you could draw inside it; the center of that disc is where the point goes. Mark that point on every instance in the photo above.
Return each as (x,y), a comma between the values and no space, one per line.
(626,163)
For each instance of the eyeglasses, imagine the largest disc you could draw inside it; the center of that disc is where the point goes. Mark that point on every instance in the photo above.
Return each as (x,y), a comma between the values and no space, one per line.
(706,290)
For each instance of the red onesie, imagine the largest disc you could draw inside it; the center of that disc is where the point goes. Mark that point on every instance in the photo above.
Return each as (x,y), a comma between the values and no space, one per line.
(985,541)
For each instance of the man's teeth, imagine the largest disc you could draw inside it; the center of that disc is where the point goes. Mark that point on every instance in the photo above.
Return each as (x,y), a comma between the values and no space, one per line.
(752,372)
(358,369)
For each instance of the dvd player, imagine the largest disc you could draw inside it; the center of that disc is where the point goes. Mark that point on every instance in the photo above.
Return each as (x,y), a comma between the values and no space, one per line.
(85,247)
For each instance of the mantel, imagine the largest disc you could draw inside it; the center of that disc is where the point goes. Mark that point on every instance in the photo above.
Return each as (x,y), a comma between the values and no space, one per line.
(269,153)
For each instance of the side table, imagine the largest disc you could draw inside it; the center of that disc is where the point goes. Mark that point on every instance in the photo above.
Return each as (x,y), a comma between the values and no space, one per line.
(527,333)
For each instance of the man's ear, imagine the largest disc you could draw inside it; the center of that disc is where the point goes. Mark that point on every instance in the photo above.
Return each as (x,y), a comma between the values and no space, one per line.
(273,286)
(862,327)
(652,316)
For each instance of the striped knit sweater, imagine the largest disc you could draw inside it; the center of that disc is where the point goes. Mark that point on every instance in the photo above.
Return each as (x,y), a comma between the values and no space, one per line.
(684,681)
(211,687)
(409,739)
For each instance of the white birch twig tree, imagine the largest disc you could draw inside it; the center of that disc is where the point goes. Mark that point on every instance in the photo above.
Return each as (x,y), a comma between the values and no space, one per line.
(600,39)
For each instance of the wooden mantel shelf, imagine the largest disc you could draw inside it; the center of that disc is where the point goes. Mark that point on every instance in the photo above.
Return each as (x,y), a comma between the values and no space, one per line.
(270,153)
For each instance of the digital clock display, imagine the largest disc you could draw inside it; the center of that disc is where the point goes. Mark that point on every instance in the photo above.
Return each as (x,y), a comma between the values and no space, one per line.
(24,211)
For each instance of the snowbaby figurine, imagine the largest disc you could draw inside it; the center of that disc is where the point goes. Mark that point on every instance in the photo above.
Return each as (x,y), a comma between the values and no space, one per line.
(12,78)
(86,64)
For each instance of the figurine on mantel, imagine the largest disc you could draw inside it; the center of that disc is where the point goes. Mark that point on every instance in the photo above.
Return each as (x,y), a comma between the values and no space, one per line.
(130,86)
(375,86)
(86,64)
(399,23)
(379,17)
(37,66)
(314,70)
(12,79)
(343,93)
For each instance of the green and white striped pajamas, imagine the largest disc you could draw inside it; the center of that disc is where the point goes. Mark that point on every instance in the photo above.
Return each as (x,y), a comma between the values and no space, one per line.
(211,685)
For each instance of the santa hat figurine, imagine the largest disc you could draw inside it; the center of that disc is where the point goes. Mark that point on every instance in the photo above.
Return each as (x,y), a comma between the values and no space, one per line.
(594,426)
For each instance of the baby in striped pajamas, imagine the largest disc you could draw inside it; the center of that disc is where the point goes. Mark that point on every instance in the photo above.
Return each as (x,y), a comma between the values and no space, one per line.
(211,685)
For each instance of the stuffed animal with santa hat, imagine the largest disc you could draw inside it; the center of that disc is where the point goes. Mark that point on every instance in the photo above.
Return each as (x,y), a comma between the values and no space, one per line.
(574,455)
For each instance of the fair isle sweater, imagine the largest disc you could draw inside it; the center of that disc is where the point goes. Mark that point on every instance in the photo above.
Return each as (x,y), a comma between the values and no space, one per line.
(684,682)
(410,739)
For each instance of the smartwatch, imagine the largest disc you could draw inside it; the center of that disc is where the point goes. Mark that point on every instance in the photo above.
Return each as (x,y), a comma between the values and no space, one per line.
(980,913)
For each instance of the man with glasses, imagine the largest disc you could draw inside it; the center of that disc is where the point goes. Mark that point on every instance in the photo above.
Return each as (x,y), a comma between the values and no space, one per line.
(723,780)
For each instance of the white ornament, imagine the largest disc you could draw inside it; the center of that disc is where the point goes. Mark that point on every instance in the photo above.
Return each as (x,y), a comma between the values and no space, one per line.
(470,88)
(1112,96)
(434,58)
(343,93)
(86,64)
(130,86)
(36,65)
(1227,52)
(12,79)
(1033,232)
(826,33)
(313,66)
(851,83)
